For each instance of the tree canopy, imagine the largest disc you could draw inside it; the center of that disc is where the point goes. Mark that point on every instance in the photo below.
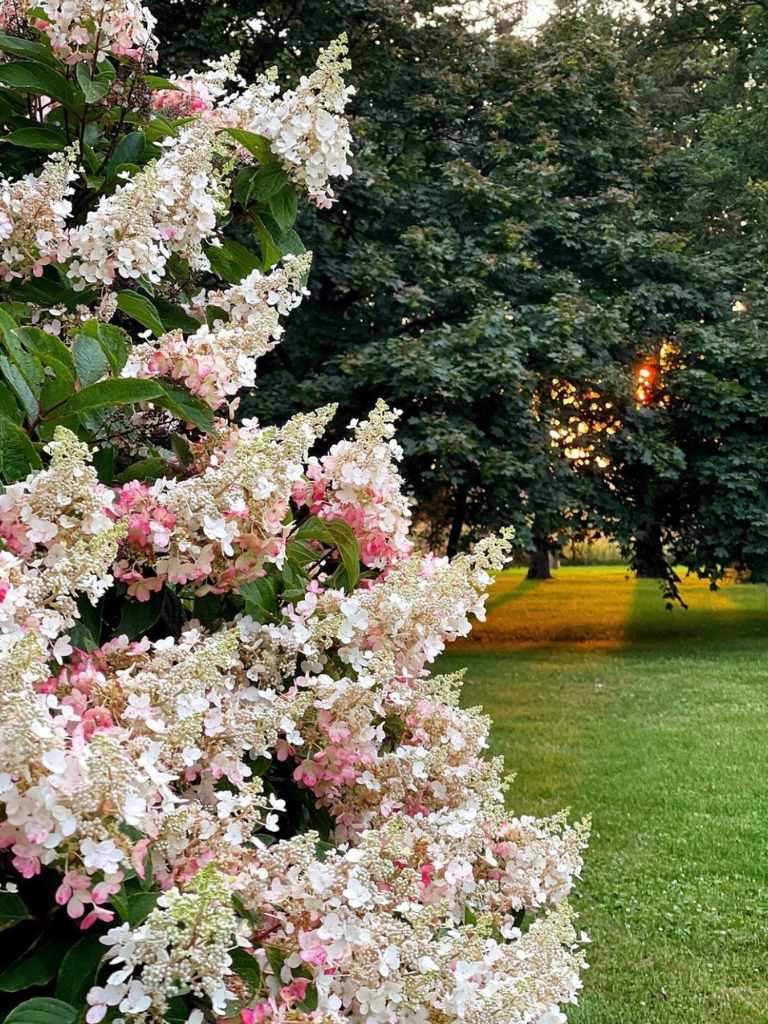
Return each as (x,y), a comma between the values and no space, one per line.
(551,259)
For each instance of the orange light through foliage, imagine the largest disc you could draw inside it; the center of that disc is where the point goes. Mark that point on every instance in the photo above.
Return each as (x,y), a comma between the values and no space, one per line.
(645,378)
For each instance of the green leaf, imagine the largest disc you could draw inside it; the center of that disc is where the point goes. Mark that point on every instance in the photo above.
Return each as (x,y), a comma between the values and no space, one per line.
(268,182)
(255,144)
(270,251)
(45,137)
(40,79)
(86,632)
(182,451)
(141,309)
(106,393)
(18,383)
(12,910)
(146,469)
(174,317)
(261,598)
(36,968)
(157,82)
(247,968)
(338,534)
(26,48)
(243,186)
(104,464)
(158,128)
(9,406)
(140,906)
(284,206)
(129,150)
(18,457)
(185,406)
(42,1011)
(275,958)
(113,342)
(309,1002)
(140,616)
(177,1012)
(95,87)
(79,969)
(231,260)
(46,346)
(90,359)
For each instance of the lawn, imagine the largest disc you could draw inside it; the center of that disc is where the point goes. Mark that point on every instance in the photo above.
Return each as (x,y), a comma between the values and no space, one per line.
(656,723)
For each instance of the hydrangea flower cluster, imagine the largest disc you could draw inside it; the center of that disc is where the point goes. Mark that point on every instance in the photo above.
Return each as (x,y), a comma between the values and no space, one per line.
(219,360)
(173,760)
(305,126)
(220,737)
(83,29)
(169,207)
(33,216)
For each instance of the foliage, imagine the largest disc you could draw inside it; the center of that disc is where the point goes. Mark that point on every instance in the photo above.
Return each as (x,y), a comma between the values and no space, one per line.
(525,233)
(229,786)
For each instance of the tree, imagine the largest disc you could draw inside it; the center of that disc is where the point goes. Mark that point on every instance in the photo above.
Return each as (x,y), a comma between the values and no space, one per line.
(529,231)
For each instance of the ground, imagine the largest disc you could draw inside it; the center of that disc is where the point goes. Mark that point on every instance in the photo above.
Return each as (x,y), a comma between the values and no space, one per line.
(656,723)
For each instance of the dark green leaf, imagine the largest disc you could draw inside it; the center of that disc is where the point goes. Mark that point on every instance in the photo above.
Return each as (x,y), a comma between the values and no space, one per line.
(284,206)
(8,405)
(255,144)
(95,87)
(268,182)
(177,1012)
(140,906)
(90,359)
(275,958)
(182,451)
(79,968)
(26,48)
(41,79)
(309,1002)
(231,260)
(18,383)
(104,464)
(338,534)
(36,968)
(12,910)
(42,1011)
(270,251)
(174,317)
(186,407)
(261,598)
(156,82)
(145,470)
(129,150)
(243,187)
(45,137)
(140,616)
(141,309)
(113,341)
(247,968)
(111,393)
(18,457)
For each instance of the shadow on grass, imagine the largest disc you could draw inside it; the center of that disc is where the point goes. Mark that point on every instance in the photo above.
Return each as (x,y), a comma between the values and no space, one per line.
(735,616)
(513,593)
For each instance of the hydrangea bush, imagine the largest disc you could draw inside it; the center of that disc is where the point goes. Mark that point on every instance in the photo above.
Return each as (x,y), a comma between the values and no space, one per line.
(230,788)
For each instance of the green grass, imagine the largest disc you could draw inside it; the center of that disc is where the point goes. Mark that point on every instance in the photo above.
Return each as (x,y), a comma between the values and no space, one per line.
(656,722)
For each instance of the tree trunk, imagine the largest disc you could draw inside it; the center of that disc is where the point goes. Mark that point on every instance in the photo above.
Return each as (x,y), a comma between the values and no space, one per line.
(649,562)
(457,523)
(538,567)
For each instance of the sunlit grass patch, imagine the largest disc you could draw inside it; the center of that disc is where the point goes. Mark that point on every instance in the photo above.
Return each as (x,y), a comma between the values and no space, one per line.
(657,723)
